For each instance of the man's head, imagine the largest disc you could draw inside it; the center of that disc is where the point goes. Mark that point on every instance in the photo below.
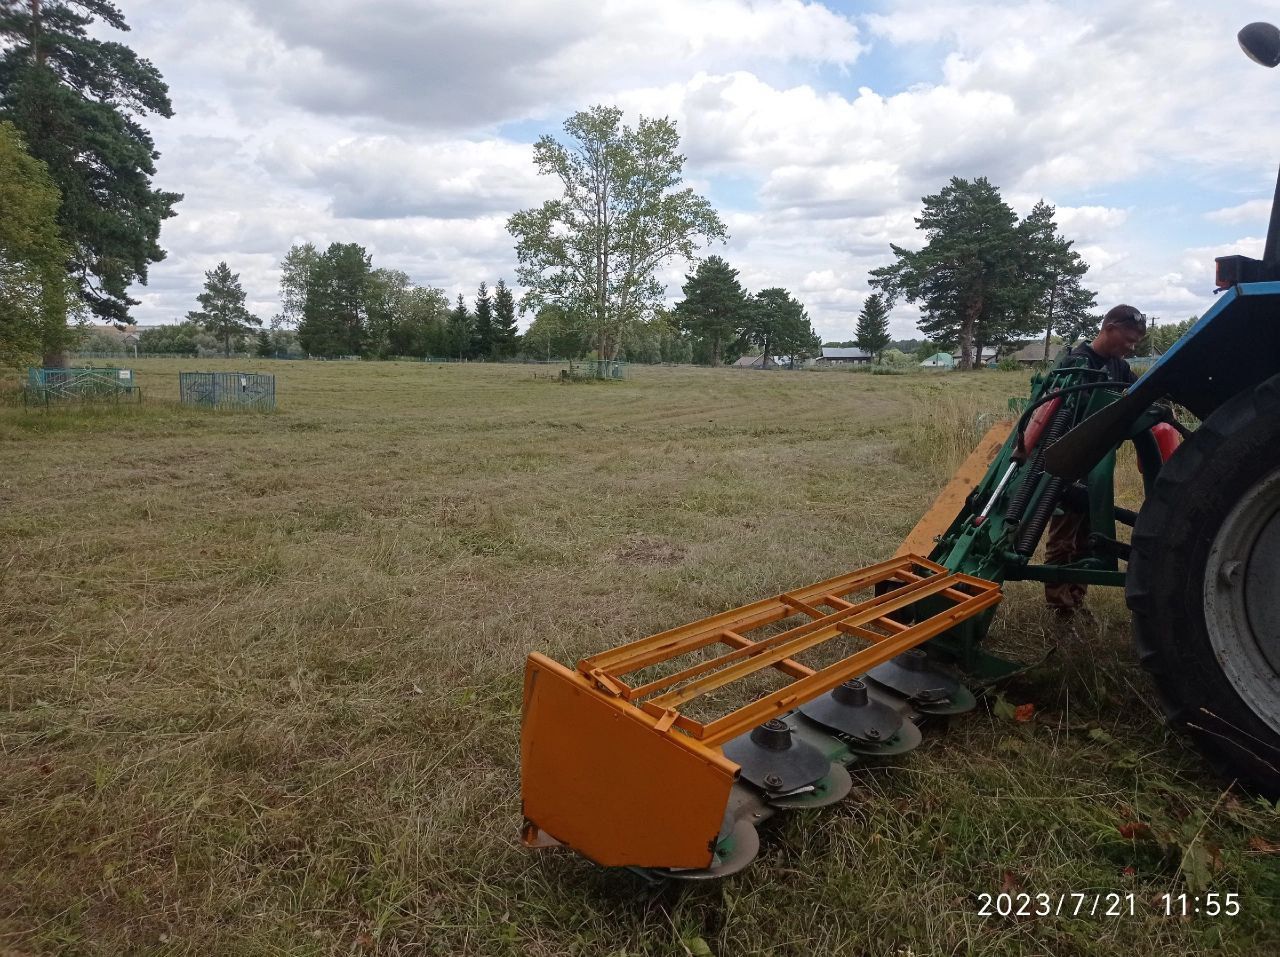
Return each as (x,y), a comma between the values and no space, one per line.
(1122,329)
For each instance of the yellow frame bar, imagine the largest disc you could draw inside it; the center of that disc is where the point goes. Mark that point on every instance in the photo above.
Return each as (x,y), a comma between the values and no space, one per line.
(913,579)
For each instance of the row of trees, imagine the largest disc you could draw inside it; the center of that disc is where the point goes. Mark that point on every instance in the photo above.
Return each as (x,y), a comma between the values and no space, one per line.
(341,305)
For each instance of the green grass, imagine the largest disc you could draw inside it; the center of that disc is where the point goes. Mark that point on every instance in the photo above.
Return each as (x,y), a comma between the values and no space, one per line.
(260,676)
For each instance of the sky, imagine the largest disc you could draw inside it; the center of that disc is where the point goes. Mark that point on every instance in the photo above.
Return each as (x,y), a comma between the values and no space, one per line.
(814,128)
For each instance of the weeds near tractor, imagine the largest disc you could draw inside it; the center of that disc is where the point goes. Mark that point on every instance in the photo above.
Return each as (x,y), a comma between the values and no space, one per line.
(941,433)
(261,677)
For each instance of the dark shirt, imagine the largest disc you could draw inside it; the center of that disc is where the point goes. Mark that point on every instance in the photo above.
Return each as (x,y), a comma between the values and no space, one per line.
(1116,368)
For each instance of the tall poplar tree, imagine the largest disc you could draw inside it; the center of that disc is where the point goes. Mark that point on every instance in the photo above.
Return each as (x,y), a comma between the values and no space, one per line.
(295,275)
(620,216)
(79,101)
(872,334)
(222,312)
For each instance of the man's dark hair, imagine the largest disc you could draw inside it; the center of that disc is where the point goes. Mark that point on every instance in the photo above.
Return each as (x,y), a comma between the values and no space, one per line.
(1125,316)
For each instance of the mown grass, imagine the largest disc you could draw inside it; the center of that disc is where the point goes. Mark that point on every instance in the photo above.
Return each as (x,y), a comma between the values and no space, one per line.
(260,682)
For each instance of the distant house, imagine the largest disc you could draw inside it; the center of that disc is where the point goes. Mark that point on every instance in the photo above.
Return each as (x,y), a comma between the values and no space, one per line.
(755,362)
(1033,352)
(939,360)
(835,355)
(988,356)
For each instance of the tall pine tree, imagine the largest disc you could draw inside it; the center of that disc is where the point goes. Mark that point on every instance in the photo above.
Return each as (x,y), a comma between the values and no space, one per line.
(1056,270)
(778,325)
(715,308)
(78,101)
(967,278)
(222,312)
(505,330)
(872,335)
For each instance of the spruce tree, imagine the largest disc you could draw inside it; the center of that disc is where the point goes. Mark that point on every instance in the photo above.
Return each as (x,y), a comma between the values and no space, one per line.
(222,313)
(459,329)
(78,101)
(482,330)
(335,310)
(505,330)
(872,335)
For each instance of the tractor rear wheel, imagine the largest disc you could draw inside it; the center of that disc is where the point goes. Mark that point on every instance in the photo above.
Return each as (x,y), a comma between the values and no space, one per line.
(1204,587)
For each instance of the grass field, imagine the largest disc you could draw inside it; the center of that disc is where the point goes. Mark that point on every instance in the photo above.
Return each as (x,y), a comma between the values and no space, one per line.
(260,676)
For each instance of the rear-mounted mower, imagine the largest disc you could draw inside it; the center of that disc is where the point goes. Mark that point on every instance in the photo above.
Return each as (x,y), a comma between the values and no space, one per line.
(635,758)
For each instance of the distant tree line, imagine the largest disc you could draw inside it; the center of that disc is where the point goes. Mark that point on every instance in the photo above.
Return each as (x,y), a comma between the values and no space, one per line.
(342,306)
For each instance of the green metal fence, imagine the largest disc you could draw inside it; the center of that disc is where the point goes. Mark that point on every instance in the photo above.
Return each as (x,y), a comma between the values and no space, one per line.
(46,386)
(596,369)
(242,390)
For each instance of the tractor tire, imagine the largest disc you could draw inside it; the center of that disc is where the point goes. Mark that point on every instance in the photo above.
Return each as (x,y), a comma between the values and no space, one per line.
(1204,588)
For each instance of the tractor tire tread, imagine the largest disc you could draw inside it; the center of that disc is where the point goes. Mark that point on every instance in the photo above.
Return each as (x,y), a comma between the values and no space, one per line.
(1165,593)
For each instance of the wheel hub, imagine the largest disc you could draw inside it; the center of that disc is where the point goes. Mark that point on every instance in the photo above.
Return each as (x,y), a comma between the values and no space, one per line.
(1242,598)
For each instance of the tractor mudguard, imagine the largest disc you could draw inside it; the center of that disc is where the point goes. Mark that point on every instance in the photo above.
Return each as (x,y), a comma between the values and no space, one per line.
(1232,348)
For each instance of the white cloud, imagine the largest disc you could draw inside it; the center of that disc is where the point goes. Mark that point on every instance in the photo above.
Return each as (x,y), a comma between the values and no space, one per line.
(1253,211)
(1085,224)
(464,64)
(306,120)
(391,177)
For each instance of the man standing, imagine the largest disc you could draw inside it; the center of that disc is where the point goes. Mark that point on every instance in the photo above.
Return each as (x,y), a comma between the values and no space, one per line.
(1122,329)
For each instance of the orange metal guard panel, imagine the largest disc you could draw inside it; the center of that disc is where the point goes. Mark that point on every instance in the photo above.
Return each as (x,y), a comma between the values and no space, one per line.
(589,761)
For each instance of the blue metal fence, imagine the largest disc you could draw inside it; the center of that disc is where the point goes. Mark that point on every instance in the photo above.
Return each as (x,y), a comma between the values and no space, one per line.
(242,390)
(89,384)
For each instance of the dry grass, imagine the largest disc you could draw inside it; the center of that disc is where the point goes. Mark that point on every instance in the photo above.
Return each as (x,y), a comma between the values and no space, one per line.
(260,681)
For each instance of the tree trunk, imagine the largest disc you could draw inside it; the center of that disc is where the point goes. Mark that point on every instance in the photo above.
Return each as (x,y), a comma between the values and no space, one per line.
(54,360)
(1053,305)
(966,332)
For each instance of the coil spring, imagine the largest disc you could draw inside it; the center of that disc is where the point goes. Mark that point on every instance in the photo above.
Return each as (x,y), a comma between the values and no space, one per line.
(1031,530)
(1022,495)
